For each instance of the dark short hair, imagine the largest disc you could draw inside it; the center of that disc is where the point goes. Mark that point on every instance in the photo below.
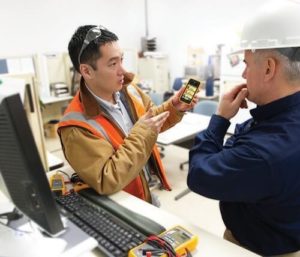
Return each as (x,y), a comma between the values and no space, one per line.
(92,52)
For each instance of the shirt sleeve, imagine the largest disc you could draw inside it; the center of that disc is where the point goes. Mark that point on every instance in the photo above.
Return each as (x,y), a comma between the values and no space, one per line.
(235,173)
(174,116)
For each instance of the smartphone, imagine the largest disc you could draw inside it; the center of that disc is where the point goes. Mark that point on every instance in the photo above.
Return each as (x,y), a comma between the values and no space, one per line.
(189,91)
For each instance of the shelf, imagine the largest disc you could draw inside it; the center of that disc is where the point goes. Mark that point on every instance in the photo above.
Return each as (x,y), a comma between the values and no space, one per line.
(53,99)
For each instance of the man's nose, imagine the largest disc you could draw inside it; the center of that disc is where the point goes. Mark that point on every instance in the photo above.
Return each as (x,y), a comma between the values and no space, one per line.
(244,74)
(121,70)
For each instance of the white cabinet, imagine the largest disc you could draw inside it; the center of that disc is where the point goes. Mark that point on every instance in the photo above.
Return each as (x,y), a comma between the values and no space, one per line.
(53,69)
(155,72)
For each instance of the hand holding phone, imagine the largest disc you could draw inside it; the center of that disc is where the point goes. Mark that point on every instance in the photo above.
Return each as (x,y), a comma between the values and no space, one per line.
(190,91)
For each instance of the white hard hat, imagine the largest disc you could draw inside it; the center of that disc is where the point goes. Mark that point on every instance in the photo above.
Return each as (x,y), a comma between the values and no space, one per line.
(275,25)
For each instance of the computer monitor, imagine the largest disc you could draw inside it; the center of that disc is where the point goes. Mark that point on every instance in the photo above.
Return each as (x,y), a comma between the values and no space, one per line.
(22,170)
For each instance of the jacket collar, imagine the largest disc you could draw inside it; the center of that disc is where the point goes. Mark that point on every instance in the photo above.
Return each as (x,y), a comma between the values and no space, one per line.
(274,108)
(90,105)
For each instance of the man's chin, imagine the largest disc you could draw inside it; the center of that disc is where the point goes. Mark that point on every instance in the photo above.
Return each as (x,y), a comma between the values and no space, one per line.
(118,87)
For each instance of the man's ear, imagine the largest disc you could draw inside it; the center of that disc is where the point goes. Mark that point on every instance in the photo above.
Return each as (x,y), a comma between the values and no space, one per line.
(86,71)
(270,69)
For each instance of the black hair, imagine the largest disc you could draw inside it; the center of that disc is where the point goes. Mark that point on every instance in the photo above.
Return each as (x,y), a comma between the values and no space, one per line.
(92,52)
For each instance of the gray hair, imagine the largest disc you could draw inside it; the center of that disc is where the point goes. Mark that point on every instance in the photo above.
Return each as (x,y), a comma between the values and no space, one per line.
(290,60)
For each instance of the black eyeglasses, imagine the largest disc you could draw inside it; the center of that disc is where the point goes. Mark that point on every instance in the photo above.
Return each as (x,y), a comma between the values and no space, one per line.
(92,35)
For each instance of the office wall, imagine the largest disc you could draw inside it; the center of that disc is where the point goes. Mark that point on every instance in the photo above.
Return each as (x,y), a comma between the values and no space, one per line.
(178,24)
(45,26)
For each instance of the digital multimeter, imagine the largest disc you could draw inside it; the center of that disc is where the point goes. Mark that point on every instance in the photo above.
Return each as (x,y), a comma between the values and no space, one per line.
(178,237)
(57,184)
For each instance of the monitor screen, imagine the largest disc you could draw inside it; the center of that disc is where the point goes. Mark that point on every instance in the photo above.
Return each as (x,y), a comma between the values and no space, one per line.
(22,170)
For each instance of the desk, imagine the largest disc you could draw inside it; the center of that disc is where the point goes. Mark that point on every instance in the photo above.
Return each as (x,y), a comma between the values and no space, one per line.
(53,161)
(55,99)
(192,123)
(188,127)
(209,245)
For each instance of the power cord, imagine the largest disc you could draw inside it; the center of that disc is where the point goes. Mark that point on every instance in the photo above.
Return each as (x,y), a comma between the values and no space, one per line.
(14,215)
(65,173)
(10,216)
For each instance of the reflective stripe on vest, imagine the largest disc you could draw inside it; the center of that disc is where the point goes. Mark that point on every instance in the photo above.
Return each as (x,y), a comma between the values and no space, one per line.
(132,90)
(80,117)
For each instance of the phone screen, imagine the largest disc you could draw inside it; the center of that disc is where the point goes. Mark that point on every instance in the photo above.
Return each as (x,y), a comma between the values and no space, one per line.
(190,91)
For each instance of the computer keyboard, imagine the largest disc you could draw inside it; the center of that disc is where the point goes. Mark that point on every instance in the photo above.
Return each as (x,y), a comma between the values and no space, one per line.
(114,236)
(141,223)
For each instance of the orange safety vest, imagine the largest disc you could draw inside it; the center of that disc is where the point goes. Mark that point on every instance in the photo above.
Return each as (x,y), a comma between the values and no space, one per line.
(101,127)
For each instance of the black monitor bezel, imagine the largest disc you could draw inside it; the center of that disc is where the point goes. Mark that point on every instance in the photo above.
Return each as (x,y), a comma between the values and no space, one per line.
(28,187)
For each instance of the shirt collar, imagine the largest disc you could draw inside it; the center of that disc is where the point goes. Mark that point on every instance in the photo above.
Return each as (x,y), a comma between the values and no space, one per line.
(269,110)
(90,104)
(106,104)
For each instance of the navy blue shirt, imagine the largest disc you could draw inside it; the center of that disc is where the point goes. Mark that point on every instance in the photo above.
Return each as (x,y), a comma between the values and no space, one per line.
(255,175)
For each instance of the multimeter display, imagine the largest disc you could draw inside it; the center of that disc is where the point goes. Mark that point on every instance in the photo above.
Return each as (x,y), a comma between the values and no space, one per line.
(176,237)
(57,184)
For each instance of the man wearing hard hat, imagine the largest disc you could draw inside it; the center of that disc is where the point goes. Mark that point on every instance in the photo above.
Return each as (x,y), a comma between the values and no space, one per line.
(256,173)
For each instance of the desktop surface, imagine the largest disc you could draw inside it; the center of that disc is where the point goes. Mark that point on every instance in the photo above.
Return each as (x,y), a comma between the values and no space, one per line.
(116,229)
(209,245)
(189,126)
(193,123)
(24,238)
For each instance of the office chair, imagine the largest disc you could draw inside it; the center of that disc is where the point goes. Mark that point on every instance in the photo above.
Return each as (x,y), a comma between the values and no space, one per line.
(177,84)
(205,107)
(157,98)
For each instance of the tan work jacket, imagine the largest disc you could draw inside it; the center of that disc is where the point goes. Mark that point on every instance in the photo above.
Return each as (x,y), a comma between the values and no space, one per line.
(101,154)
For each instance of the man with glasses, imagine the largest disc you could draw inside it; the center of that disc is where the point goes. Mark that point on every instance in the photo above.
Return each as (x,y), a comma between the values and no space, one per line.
(109,130)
